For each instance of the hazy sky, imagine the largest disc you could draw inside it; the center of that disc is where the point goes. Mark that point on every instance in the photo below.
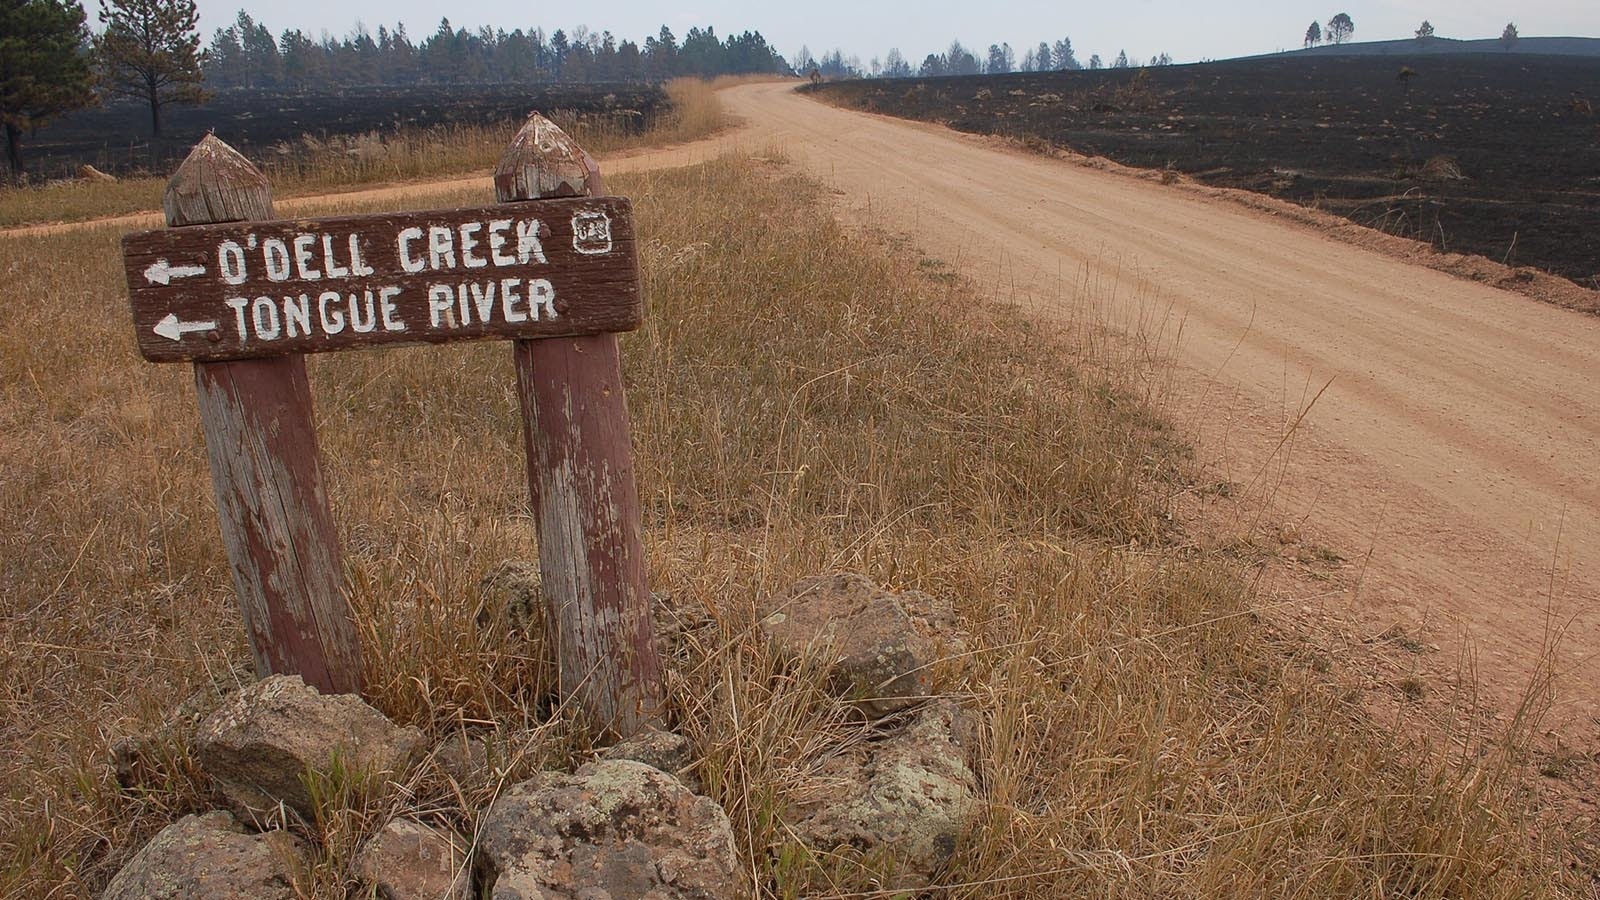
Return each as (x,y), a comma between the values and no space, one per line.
(1187,29)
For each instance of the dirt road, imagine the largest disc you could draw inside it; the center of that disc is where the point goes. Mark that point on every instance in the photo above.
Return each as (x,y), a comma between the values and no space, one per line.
(1455,452)
(1454,456)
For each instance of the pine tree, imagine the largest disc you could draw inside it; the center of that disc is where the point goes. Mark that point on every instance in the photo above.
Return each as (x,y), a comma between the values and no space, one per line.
(1063,57)
(44,72)
(150,51)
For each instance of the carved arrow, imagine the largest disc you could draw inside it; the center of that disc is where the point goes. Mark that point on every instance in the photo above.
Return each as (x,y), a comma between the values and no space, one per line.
(163,272)
(173,328)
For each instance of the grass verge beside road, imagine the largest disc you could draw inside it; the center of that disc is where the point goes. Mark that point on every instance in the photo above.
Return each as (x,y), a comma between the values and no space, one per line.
(804,400)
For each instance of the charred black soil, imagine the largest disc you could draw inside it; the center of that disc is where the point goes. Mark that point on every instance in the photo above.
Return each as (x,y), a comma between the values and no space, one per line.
(116,138)
(1494,155)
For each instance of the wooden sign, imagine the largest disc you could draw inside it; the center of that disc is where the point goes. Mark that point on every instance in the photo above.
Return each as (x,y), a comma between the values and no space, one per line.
(544,268)
(244,296)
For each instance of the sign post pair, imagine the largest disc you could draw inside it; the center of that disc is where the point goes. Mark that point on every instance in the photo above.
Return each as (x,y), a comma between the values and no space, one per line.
(552,267)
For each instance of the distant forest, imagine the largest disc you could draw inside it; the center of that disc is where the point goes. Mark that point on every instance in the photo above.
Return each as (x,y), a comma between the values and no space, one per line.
(247,55)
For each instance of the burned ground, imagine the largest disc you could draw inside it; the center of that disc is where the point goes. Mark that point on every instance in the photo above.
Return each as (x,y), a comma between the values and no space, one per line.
(116,138)
(1496,155)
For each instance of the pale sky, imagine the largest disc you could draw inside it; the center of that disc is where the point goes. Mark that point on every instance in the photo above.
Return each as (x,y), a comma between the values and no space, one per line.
(1187,29)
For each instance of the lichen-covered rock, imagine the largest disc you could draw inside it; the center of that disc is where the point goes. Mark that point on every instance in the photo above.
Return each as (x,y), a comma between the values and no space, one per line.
(211,857)
(158,756)
(511,592)
(665,750)
(259,744)
(407,860)
(911,795)
(878,655)
(614,830)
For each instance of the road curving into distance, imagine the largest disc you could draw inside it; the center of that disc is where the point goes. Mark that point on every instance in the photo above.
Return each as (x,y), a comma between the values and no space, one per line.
(1454,456)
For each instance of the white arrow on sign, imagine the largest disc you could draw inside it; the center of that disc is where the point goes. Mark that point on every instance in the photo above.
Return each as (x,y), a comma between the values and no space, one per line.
(173,328)
(162,272)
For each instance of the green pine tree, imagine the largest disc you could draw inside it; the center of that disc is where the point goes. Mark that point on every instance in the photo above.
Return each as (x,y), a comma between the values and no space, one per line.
(44,69)
(150,51)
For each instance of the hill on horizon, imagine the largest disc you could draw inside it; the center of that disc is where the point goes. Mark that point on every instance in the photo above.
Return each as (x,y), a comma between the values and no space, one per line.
(1528,46)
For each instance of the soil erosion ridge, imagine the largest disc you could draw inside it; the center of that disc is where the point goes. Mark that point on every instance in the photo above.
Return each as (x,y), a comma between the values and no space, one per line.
(1452,455)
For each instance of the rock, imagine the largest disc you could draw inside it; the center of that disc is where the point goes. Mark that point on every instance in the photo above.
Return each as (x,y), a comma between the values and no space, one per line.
(615,830)
(681,625)
(259,744)
(878,656)
(155,757)
(90,173)
(407,860)
(511,592)
(211,857)
(912,795)
(466,759)
(664,750)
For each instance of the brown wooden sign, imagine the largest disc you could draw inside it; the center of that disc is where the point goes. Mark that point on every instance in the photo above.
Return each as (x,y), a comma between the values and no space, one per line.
(544,268)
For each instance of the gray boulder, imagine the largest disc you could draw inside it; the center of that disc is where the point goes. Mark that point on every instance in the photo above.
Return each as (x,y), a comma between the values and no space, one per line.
(912,795)
(259,744)
(614,830)
(665,750)
(407,860)
(211,857)
(879,655)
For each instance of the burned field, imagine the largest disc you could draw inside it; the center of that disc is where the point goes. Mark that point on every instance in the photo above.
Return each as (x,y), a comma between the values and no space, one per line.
(261,123)
(1494,155)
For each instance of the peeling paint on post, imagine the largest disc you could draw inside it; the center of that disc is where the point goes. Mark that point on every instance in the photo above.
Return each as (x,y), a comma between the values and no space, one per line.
(265,467)
(581,479)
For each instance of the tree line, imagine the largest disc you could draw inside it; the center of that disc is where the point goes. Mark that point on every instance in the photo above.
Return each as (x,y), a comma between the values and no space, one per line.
(1341,28)
(150,51)
(245,54)
(1000,59)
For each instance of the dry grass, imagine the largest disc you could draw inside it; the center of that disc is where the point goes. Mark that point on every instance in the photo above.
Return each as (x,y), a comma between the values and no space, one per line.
(312,166)
(802,402)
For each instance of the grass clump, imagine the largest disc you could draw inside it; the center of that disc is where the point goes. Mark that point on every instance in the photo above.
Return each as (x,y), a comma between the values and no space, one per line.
(803,401)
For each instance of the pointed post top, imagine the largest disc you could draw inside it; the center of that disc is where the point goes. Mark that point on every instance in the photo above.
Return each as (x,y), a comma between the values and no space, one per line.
(543,162)
(216,184)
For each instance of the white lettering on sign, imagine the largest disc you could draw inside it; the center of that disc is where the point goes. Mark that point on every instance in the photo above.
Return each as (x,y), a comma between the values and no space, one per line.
(276,318)
(462,305)
(309,257)
(438,247)
(469,296)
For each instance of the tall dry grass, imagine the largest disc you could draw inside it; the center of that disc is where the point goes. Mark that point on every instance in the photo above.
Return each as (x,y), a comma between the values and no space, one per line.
(314,166)
(803,400)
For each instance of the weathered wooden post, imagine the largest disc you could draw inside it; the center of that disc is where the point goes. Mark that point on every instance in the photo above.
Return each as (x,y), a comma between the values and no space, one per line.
(580,474)
(265,467)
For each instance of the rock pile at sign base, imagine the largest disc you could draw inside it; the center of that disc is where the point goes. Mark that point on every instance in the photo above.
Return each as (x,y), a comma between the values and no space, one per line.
(407,860)
(913,794)
(878,646)
(211,857)
(614,830)
(259,744)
